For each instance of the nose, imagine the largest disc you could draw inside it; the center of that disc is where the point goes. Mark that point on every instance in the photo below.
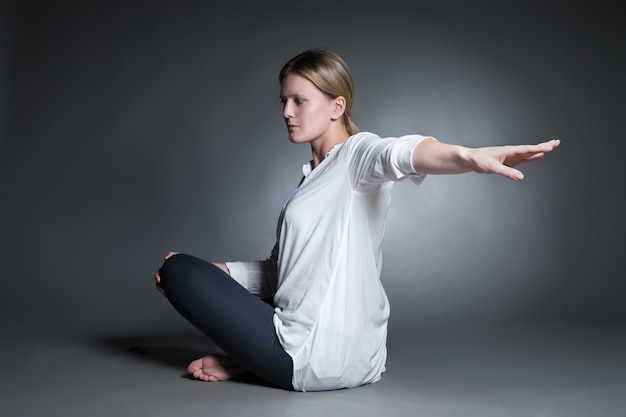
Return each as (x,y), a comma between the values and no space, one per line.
(287,110)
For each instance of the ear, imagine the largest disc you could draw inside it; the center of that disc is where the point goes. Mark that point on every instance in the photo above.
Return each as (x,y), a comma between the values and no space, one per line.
(339,107)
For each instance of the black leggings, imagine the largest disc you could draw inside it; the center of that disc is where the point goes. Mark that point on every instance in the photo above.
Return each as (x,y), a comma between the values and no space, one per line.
(237,321)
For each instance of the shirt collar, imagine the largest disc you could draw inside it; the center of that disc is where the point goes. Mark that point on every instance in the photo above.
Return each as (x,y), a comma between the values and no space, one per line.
(308,167)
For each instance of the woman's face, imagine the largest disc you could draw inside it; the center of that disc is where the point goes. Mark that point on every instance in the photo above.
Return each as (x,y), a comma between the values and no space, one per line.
(307,111)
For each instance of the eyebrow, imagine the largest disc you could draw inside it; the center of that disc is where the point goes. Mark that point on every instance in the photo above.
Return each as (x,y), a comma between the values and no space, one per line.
(283,97)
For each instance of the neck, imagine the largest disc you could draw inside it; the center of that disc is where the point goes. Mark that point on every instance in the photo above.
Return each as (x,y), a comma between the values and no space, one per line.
(321,149)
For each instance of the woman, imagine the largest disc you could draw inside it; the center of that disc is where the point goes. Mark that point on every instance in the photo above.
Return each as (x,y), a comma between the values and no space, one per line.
(325,325)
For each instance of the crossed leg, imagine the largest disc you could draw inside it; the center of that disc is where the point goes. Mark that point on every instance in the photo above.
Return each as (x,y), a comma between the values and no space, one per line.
(237,321)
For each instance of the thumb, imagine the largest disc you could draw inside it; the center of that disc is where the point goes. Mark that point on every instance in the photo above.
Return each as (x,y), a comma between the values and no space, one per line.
(512,173)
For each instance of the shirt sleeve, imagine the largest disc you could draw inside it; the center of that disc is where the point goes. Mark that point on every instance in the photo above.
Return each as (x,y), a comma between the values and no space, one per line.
(258,277)
(374,159)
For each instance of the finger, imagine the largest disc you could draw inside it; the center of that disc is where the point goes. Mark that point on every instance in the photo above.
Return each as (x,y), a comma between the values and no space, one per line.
(169,254)
(553,143)
(508,171)
(513,174)
(161,290)
(543,146)
(157,277)
(528,150)
(532,158)
(547,146)
(511,162)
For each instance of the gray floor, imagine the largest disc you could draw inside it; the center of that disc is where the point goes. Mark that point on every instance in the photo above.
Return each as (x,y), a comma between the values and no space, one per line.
(538,371)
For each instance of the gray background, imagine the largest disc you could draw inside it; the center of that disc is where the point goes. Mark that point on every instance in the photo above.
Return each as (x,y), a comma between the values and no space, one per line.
(134,128)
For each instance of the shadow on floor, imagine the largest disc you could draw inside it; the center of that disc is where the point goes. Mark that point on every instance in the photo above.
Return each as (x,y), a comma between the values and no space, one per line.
(170,350)
(175,351)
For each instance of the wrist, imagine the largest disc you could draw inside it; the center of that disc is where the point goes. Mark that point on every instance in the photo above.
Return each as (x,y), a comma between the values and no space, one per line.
(465,158)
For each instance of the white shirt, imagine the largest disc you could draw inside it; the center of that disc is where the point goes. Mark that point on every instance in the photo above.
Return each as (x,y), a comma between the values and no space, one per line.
(331,309)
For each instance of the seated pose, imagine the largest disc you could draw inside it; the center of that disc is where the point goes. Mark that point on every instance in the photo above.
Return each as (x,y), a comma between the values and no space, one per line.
(313,315)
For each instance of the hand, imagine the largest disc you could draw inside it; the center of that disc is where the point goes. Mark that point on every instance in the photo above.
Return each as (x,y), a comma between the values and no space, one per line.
(157,277)
(501,159)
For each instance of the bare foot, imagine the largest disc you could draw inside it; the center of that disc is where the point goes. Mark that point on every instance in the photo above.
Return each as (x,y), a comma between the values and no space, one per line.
(214,368)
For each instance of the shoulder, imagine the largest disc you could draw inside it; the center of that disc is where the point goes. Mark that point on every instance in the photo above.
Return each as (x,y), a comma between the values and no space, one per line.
(370,143)
(363,136)
(361,139)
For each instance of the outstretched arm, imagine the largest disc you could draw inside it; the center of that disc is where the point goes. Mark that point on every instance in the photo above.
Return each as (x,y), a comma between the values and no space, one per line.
(434,157)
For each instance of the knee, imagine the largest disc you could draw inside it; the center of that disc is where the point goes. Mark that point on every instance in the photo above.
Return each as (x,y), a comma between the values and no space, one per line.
(173,268)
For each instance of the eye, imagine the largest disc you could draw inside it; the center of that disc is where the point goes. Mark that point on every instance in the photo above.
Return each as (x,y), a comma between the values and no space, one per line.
(297,100)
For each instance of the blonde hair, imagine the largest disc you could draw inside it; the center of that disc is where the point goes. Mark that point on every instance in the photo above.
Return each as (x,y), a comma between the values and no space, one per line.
(329,73)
